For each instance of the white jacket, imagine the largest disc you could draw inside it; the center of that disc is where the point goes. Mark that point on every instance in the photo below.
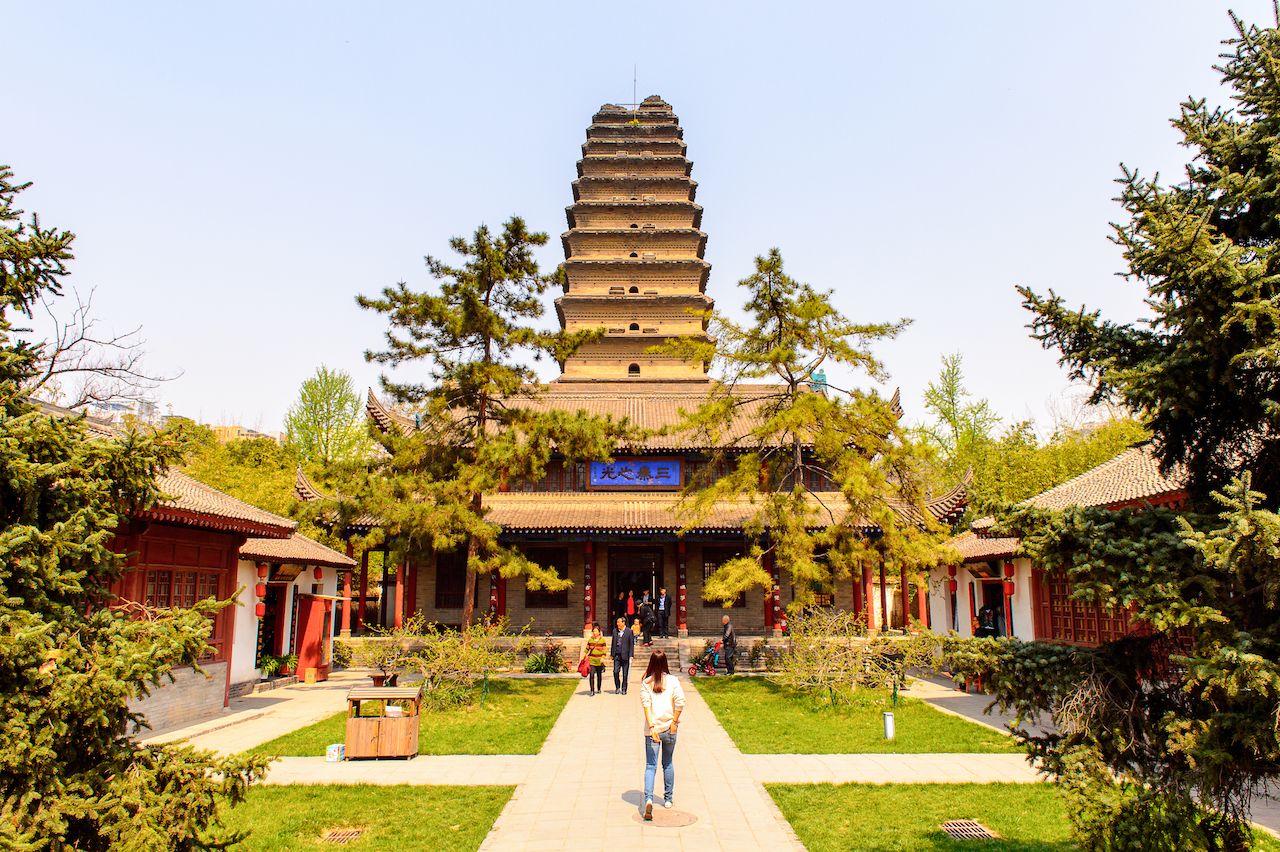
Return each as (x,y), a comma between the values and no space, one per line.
(662,705)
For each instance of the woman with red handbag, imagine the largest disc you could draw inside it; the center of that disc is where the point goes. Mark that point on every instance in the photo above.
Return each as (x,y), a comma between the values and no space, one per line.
(596,650)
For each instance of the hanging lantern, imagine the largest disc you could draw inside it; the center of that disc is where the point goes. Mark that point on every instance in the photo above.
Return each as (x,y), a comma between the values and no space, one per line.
(318,573)
(260,590)
(1008,588)
(260,609)
(262,570)
(952,585)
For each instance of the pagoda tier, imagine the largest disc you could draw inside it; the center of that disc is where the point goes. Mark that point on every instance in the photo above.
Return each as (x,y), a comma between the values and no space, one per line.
(634,214)
(634,266)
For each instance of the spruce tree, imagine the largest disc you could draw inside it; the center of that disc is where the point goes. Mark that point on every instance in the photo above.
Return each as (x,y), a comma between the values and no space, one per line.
(1166,735)
(478,421)
(72,773)
(787,439)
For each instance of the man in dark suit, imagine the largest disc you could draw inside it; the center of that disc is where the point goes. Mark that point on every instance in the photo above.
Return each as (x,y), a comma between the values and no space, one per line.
(622,648)
(664,612)
(729,641)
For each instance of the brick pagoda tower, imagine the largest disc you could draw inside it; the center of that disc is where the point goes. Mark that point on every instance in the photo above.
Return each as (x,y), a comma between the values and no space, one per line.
(634,252)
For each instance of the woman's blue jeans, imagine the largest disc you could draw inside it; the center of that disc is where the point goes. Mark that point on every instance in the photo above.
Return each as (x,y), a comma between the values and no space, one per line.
(666,747)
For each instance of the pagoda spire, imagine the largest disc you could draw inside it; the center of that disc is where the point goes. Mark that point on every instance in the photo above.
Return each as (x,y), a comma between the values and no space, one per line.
(634,250)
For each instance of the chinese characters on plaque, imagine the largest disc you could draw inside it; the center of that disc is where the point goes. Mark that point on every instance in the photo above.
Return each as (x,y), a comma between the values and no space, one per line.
(636,473)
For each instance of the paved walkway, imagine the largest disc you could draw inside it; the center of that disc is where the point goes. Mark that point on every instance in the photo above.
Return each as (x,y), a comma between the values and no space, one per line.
(259,718)
(585,789)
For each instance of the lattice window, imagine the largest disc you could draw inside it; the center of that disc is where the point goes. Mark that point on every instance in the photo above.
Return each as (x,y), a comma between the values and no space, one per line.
(549,557)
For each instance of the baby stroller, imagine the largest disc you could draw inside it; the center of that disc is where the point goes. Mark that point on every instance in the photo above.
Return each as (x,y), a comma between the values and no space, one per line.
(707,662)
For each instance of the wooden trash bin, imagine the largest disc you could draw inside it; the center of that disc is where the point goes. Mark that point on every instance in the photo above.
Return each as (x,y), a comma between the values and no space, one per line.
(383,735)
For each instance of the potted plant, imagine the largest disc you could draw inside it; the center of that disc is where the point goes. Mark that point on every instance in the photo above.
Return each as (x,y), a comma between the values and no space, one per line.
(269,666)
(288,664)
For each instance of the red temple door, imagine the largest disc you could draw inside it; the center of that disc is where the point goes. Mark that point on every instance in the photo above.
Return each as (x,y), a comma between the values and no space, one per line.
(315,625)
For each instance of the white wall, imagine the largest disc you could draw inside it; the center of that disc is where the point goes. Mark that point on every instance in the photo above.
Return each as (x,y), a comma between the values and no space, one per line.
(940,604)
(246,640)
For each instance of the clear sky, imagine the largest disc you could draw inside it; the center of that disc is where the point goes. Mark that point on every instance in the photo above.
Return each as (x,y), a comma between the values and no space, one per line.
(237,172)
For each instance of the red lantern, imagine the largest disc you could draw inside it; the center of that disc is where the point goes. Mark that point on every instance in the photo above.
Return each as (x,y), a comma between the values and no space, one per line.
(1008,569)
(262,570)
(1008,588)
(260,609)
(260,590)
(952,585)
(318,573)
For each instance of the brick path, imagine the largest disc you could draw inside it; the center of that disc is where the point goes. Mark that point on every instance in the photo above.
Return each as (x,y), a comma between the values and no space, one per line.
(584,789)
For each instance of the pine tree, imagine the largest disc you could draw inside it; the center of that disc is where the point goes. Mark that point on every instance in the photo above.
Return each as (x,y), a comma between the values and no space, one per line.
(478,422)
(72,775)
(781,430)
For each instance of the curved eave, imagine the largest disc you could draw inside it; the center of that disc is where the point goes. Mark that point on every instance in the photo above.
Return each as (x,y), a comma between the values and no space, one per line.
(205,521)
(383,417)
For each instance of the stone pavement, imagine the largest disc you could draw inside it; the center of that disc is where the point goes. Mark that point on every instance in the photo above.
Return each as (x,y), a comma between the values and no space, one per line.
(584,790)
(261,717)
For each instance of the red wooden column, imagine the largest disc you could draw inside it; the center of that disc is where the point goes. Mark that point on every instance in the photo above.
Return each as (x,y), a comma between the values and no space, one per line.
(588,588)
(767,563)
(400,595)
(411,591)
(973,610)
(682,590)
(905,589)
(922,605)
(364,591)
(346,594)
(885,620)
(868,598)
(779,622)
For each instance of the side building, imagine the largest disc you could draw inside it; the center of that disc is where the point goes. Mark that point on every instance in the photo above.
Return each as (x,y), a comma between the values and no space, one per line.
(995,586)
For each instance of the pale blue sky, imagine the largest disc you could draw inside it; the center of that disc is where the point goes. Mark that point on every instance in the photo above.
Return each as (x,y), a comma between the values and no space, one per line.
(237,172)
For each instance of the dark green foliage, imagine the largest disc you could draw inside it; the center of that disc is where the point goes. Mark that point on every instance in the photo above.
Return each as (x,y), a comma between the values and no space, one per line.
(848,436)
(1203,371)
(478,424)
(1167,735)
(71,774)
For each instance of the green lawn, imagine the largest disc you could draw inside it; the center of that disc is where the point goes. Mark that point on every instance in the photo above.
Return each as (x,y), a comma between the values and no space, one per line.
(764,718)
(893,817)
(515,719)
(393,818)
(901,817)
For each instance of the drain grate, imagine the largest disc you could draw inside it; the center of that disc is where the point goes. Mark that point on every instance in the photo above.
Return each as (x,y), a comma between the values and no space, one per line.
(341,835)
(968,829)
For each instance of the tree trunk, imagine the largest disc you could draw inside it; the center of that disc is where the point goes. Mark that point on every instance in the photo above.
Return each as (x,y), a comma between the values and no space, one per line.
(473,551)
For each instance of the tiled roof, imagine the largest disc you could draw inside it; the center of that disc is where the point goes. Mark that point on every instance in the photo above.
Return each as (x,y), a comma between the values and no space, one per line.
(975,548)
(650,406)
(619,512)
(188,501)
(191,502)
(1132,476)
(297,549)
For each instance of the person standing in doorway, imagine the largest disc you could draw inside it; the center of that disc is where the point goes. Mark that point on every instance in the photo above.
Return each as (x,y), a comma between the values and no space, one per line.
(619,607)
(595,658)
(648,619)
(664,612)
(729,643)
(662,699)
(622,649)
(631,608)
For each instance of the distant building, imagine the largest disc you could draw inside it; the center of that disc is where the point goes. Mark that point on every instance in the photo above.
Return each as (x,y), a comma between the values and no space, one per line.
(118,411)
(226,434)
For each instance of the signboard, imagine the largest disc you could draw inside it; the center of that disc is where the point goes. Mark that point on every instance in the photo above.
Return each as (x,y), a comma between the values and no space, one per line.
(640,474)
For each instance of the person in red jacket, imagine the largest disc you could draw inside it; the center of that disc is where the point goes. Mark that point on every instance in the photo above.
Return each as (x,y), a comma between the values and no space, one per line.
(631,608)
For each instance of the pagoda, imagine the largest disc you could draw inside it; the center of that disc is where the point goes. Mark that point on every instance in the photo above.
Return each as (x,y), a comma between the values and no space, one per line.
(634,262)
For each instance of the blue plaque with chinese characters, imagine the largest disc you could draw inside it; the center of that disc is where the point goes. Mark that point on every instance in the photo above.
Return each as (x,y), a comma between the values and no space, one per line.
(639,474)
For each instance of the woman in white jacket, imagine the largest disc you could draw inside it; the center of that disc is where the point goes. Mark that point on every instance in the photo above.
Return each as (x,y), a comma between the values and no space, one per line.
(662,698)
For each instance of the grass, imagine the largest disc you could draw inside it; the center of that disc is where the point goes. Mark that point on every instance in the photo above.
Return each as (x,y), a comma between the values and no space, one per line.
(393,817)
(893,817)
(515,719)
(764,718)
(900,817)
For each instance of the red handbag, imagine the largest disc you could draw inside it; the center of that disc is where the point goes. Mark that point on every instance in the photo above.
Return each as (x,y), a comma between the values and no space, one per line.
(584,668)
